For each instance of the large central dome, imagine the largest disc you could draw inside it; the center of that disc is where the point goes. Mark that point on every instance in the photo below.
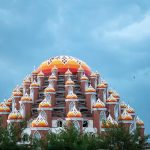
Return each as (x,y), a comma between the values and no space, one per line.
(63,63)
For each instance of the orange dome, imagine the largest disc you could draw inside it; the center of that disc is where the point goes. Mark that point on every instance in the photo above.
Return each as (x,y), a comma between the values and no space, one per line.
(34,72)
(15,115)
(125,116)
(71,96)
(93,75)
(111,99)
(115,95)
(45,104)
(69,82)
(84,77)
(90,89)
(74,113)
(49,89)
(34,84)
(26,98)
(123,105)
(139,122)
(101,86)
(40,74)
(4,108)
(99,104)
(52,77)
(68,72)
(40,121)
(17,93)
(63,63)
(130,109)
(26,81)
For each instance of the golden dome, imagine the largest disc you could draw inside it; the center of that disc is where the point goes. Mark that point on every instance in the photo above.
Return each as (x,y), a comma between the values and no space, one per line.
(40,74)
(63,63)
(35,72)
(4,108)
(101,86)
(71,96)
(90,89)
(130,109)
(93,75)
(49,89)
(17,93)
(15,115)
(74,113)
(125,116)
(52,77)
(40,121)
(139,122)
(111,99)
(123,105)
(34,84)
(45,104)
(99,104)
(69,82)
(26,98)
(84,77)
(115,95)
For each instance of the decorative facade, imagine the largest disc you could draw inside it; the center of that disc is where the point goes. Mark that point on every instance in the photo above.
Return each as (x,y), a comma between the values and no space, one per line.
(64,90)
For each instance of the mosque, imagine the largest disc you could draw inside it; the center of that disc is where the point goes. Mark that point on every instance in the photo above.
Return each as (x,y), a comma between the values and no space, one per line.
(64,90)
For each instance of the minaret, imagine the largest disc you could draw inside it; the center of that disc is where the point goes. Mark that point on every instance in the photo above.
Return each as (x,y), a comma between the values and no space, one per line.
(101,91)
(74,117)
(55,71)
(50,92)
(39,127)
(4,112)
(90,95)
(69,85)
(34,91)
(46,107)
(125,120)
(84,83)
(17,97)
(98,107)
(140,126)
(111,103)
(71,101)
(53,80)
(26,85)
(34,75)
(98,77)
(26,103)
(40,78)
(93,79)
(68,74)
(80,72)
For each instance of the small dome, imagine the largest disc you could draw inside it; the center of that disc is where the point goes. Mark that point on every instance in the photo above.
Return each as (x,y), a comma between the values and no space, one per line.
(125,116)
(111,99)
(90,89)
(52,77)
(139,122)
(40,121)
(15,115)
(80,69)
(74,113)
(34,72)
(99,104)
(9,100)
(17,93)
(40,74)
(69,82)
(130,109)
(8,103)
(110,92)
(123,105)
(26,98)
(34,84)
(93,75)
(68,72)
(84,77)
(45,104)
(109,122)
(49,89)
(115,95)
(4,108)
(26,81)
(101,86)
(71,96)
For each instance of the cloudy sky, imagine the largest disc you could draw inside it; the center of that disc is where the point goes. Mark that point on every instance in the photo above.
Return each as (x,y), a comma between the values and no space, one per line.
(112,36)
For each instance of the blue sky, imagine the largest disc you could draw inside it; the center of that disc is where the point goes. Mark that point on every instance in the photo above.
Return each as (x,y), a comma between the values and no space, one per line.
(112,36)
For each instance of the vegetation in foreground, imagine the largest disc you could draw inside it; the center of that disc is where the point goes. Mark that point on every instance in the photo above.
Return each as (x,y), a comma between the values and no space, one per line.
(71,139)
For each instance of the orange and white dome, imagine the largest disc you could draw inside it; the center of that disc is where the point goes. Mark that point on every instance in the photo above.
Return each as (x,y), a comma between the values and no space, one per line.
(84,78)
(34,84)
(74,113)
(52,77)
(139,122)
(90,89)
(101,86)
(109,123)
(99,104)
(71,95)
(45,104)
(35,72)
(93,75)
(26,80)
(130,110)
(4,108)
(40,121)
(49,89)
(17,92)
(68,72)
(123,105)
(115,95)
(40,74)
(26,97)
(15,115)
(111,99)
(63,63)
(125,116)
(69,82)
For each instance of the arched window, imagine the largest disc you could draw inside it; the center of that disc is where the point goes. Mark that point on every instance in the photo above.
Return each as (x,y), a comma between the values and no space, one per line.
(59,123)
(25,138)
(71,105)
(37,135)
(76,125)
(85,123)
